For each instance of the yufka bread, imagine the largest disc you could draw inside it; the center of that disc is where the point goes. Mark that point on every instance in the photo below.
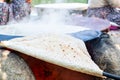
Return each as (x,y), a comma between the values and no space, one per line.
(60,49)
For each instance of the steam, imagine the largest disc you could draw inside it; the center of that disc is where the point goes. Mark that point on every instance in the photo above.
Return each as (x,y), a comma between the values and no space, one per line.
(49,21)
(55,16)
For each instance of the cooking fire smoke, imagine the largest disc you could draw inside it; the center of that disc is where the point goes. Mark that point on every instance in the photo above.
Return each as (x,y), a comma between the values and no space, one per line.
(49,20)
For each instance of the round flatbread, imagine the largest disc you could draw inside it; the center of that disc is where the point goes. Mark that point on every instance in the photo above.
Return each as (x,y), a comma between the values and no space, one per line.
(59,49)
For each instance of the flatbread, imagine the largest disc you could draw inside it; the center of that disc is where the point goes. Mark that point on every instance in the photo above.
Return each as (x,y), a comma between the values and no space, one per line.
(59,49)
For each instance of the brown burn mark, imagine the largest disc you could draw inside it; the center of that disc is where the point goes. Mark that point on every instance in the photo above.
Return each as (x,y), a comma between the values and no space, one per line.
(71,48)
(63,50)
(60,44)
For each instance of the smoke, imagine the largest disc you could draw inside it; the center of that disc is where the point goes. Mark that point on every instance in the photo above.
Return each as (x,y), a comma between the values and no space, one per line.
(55,16)
(48,21)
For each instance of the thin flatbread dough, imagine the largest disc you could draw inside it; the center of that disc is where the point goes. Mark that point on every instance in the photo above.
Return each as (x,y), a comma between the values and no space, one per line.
(59,49)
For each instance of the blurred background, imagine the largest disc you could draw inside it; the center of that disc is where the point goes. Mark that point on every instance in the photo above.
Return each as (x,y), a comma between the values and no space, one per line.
(53,1)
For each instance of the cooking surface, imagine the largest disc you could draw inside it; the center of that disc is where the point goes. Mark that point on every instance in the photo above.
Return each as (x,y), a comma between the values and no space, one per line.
(92,23)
